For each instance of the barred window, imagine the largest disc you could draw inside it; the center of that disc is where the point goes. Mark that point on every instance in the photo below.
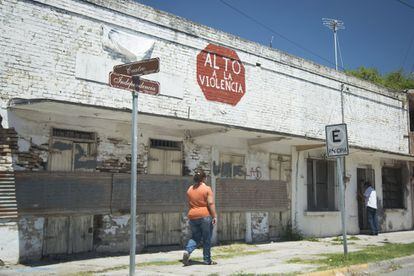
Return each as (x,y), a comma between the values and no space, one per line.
(322,188)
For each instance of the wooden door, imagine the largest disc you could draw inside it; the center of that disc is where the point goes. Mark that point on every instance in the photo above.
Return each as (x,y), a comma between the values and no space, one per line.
(163,229)
(231,226)
(80,234)
(165,162)
(56,236)
(60,157)
(173,162)
(156,161)
(277,222)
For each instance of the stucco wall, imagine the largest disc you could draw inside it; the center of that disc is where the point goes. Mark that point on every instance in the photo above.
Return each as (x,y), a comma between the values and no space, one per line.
(41,40)
(321,224)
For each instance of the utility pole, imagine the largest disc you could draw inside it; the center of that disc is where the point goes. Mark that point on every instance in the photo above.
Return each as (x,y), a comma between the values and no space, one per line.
(335,25)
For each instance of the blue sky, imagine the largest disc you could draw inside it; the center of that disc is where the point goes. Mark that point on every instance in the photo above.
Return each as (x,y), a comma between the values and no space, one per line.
(378,33)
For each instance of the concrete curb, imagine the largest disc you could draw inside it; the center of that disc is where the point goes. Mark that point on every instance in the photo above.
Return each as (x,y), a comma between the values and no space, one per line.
(339,271)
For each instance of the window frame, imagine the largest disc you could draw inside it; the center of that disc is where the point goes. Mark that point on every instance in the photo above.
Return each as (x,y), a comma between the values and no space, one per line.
(313,194)
(233,155)
(386,191)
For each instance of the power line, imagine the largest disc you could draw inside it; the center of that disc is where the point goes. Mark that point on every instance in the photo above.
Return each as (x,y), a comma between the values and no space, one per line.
(408,51)
(404,3)
(340,52)
(274,32)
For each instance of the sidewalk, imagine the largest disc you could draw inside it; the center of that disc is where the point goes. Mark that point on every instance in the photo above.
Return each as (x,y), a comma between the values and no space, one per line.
(237,259)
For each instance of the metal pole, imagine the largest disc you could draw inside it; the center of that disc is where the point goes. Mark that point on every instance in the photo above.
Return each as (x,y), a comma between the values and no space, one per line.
(133,181)
(342,202)
(336,55)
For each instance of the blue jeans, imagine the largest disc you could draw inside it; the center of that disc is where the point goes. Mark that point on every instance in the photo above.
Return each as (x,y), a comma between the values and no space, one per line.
(201,230)
(372,220)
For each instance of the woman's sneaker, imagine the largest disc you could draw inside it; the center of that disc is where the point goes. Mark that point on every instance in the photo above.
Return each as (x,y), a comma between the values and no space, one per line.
(210,263)
(186,259)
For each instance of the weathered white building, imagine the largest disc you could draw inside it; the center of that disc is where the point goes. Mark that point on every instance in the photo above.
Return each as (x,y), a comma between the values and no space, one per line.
(253,117)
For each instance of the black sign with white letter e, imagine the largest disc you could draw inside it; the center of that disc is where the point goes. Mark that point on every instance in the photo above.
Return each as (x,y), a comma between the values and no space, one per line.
(336,140)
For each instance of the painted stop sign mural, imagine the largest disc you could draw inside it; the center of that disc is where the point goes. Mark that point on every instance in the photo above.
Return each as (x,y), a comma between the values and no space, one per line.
(220,74)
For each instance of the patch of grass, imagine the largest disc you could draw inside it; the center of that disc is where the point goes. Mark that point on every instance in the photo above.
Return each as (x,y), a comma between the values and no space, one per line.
(86,273)
(221,252)
(366,255)
(231,248)
(297,261)
(340,243)
(312,239)
(338,240)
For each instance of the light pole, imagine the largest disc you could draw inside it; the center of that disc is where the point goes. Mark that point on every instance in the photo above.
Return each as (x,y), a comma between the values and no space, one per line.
(335,25)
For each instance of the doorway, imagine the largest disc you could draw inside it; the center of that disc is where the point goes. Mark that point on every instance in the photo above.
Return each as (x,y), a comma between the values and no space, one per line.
(363,175)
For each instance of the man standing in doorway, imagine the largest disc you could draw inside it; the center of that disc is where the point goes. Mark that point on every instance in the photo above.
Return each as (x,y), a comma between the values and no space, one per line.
(370,196)
(202,215)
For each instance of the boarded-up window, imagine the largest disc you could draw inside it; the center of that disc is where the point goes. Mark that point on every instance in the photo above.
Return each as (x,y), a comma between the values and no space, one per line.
(165,157)
(392,188)
(280,167)
(72,150)
(321,185)
(232,166)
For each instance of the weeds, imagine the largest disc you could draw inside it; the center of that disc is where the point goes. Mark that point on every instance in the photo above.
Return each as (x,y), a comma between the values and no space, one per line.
(369,254)
(291,233)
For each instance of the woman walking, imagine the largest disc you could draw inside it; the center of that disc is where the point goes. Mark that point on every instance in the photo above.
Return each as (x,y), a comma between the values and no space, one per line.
(202,216)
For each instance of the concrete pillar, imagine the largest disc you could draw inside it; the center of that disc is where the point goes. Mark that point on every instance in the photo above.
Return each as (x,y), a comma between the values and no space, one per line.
(249,238)
(215,159)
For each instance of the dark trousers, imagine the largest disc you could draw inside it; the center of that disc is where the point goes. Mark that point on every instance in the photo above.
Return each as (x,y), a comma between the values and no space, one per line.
(372,220)
(201,230)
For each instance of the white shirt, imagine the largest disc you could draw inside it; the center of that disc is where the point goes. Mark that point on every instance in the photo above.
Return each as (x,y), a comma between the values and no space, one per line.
(370,197)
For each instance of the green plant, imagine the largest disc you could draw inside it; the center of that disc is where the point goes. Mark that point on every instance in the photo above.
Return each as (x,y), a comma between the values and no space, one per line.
(395,80)
(291,233)
(312,239)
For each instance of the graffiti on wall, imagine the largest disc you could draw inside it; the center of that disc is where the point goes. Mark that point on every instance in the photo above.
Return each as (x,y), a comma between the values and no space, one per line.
(229,170)
(255,173)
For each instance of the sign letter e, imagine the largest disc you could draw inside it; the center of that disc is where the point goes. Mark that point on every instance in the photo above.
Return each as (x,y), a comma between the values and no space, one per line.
(335,136)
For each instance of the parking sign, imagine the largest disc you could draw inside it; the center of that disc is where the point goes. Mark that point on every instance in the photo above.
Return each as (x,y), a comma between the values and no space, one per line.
(336,140)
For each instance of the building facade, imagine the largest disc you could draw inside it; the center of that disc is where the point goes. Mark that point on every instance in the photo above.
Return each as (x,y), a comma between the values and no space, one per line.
(253,117)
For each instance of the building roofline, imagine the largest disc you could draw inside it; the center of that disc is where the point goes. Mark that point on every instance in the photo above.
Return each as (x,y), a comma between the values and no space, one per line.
(16,102)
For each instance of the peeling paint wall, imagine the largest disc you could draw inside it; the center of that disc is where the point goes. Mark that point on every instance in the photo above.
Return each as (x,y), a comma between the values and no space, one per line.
(196,156)
(260,226)
(111,233)
(31,238)
(185,229)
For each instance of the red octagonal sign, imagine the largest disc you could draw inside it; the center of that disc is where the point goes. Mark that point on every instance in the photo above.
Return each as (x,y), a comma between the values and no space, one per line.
(220,74)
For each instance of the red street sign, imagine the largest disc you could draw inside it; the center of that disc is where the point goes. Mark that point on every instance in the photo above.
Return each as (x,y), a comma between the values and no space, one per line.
(220,74)
(139,68)
(125,82)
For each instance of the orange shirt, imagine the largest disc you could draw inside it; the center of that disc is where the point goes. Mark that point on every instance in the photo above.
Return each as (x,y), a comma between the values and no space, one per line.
(197,200)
